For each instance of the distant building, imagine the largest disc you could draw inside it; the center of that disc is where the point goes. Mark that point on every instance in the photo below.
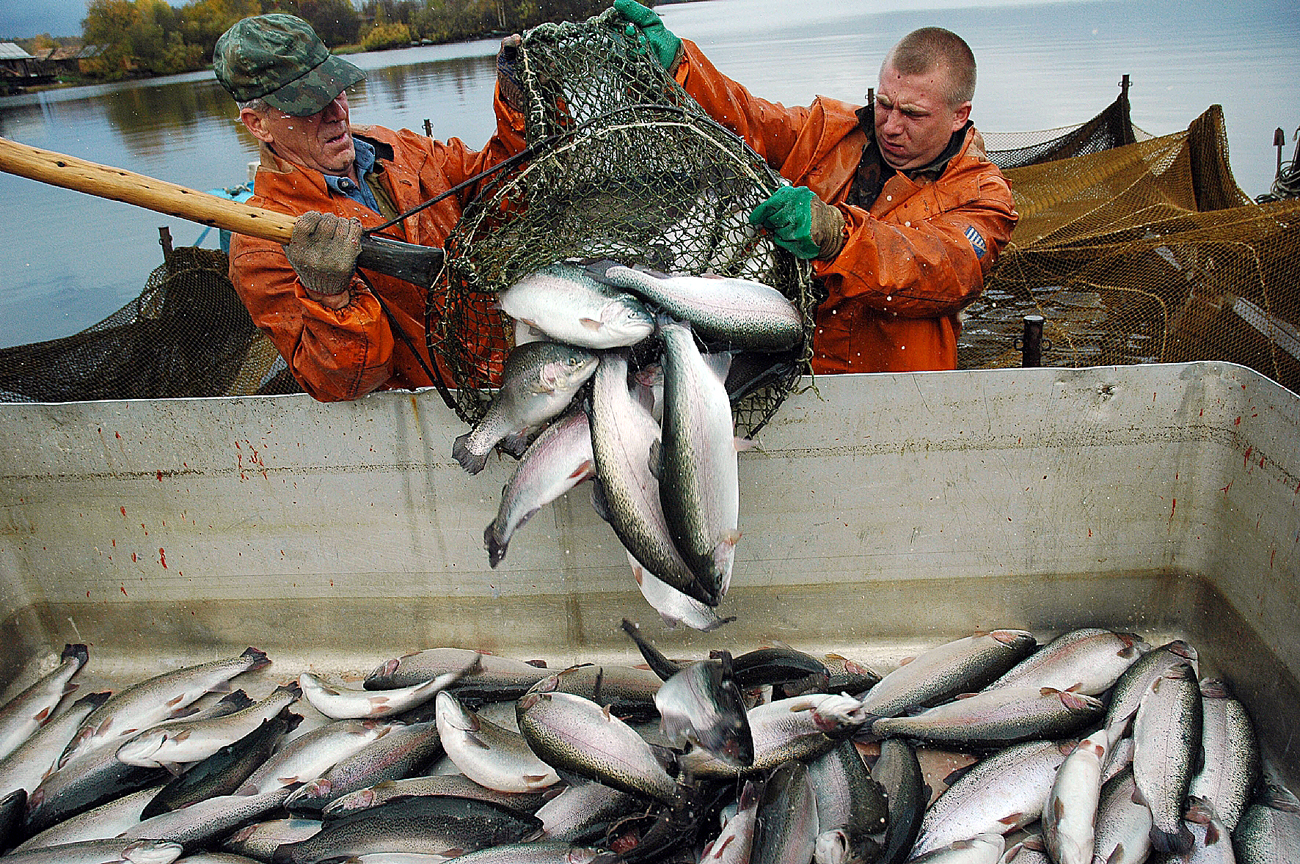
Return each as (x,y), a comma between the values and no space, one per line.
(17,67)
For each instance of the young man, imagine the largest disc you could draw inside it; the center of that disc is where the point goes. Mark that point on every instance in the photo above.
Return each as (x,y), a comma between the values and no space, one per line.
(896,202)
(326,320)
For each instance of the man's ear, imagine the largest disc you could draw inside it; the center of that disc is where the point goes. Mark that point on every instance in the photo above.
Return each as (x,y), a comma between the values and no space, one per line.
(960,116)
(255,123)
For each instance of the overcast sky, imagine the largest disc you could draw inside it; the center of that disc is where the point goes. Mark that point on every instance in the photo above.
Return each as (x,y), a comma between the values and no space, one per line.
(22,19)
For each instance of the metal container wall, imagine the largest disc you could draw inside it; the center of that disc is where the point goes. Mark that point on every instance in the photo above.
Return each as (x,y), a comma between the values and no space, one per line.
(881,514)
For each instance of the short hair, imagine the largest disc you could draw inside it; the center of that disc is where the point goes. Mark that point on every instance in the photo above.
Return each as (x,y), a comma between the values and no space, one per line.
(923,50)
(257,104)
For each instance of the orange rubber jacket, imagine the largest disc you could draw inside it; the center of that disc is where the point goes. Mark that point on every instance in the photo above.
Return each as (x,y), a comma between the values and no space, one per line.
(910,263)
(345,354)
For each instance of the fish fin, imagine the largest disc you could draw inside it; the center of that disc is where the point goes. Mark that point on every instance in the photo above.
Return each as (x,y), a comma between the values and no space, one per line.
(905,661)
(1012,819)
(78,651)
(173,768)
(1179,841)
(591,324)
(599,502)
(656,459)
(42,715)
(582,472)
(258,658)
(471,462)
(1116,855)
(495,549)
(965,695)
(516,443)
(248,789)
(743,444)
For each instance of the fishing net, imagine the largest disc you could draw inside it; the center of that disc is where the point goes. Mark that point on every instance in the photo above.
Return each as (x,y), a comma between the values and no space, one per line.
(1145,253)
(628,168)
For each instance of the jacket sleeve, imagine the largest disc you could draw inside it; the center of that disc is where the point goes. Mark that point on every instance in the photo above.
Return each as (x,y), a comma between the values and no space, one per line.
(334,355)
(930,268)
(769,127)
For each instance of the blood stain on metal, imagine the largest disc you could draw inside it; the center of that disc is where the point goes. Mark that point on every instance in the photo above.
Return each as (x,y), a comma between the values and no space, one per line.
(162,558)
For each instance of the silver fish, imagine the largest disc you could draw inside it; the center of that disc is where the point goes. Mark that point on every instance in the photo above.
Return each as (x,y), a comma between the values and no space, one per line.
(702,704)
(575,734)
(558,460)
(175,742)
(674,607)
(150,702)
(312,754)
(568,305)
(535,852)
(1071,807)
(1166,741)
(627,492)
(998,717)
(735,844)
(1134,683)
(899,773)
(106,821)
(1088,660)
(1269,830)
(34,758)
(343,703)
(699,474)
(453,785)
(736,312)
(1123,825)
(787,817)
(1030,850)
(584,812)
(491,755)
(208,819)
(980,849)
(941,673)
(538,382)
(404,751)
(999,794)
(22,715)
(505,677)
(1211,840)
(849,803)
(115,851)
(1230,754)
(260,839)
(1119,755)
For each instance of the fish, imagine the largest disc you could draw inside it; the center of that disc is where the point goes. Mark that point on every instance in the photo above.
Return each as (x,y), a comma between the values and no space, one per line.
(25,767)
(159,698)
(423,824)
(343,703)
(984,848)
(533,852)
(1133,684)
(674,607)
(998,794)
(703,705)
(483,676)
(260,839)
(851,807)
(1166,743)
(491,755)
(739,313)
(696,461)
(899,774)
(453,785)
(626,492)
(781,665)
(627,691)
(945,671)
(209,819)
(106,821)
(998,717)
(312,754)
(566,303)
(1211,840)
(1071,807)
(176,742)
(736,841)
(787,817)
(12,806)
(538,382)
(22,715)
(1269,831)
(1122,832)
(559,459)
(1089,660)
(1231,758)
(1030,850)
(574,734)
(405,750)
(225,771)
(838,674)
(585,812)
(115,851)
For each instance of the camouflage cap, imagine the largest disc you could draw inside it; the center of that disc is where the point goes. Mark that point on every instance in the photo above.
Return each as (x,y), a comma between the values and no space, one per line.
(279,58)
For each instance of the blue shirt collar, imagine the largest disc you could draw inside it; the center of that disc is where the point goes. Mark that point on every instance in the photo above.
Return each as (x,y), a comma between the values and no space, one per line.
(359,192)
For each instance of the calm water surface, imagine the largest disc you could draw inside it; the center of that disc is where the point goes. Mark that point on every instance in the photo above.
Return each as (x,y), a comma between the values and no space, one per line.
(68,260)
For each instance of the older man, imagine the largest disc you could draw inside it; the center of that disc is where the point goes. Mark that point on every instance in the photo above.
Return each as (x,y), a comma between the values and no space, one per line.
(896,202)
(342,332)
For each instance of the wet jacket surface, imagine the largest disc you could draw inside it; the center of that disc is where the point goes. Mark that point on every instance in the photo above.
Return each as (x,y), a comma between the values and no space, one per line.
(344,354)
(911,262)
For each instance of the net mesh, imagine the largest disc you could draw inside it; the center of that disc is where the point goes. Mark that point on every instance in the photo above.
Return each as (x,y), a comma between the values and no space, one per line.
(627,168)
(1133,249)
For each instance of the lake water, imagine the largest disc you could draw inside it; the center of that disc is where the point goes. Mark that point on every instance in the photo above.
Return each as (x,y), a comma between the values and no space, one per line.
(68,260)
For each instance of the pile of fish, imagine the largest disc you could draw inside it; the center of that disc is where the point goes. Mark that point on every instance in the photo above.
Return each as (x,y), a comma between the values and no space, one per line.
(655,429)
(1095,748)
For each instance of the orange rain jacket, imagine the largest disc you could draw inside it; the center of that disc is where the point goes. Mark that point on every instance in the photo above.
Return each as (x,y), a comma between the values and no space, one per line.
(910,263)
(345,354)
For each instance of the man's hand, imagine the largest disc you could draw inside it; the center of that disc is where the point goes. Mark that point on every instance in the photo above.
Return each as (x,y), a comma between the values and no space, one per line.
(507,75)
(659,39)
(801,222)
(323,251)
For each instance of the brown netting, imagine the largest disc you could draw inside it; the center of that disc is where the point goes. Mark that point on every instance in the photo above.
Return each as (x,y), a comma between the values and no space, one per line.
(1112,128)
(628,168)
(1145,253)
(187,334)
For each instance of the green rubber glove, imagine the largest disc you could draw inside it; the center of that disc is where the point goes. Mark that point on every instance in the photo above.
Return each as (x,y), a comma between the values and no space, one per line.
(658,38)
(788,214)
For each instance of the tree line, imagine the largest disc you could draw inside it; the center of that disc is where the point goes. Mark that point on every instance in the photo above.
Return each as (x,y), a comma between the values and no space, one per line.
(152,37)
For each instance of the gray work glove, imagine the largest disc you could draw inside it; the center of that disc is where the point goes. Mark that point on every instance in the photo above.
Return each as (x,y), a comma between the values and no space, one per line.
(323,251)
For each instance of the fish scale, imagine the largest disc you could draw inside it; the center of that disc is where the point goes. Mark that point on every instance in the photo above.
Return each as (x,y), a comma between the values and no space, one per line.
(1167,739)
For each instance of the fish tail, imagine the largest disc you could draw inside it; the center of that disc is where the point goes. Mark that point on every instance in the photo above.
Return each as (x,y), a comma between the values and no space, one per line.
(1178,841)
(257,657)
(78,652)
(496,550)
(471,462)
